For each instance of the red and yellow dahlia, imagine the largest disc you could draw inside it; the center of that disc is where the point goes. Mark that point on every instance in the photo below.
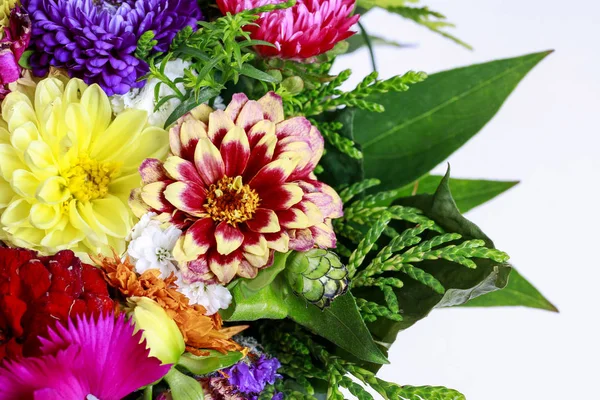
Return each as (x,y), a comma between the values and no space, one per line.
(36,291)
(240,185)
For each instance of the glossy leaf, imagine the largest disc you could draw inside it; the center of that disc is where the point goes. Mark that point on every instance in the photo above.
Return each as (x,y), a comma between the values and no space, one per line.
(423,126)
(190,103)
(518,292)
(202,365)
(467,193)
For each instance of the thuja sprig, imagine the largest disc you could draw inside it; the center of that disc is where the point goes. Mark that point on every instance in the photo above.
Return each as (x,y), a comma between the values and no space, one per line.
(364,223)
(330,131)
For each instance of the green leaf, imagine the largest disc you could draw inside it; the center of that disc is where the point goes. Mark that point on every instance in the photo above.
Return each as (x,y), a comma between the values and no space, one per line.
(429,393)
(340,323)
(24,60)
(190,103)
(339,168)
(265,276)
(183,387)
(462,284)
(253,72)
(467,193)
(202,365)
(422,127)
(518,292)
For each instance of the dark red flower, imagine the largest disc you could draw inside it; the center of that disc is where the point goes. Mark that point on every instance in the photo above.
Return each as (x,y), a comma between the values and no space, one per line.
(37,291)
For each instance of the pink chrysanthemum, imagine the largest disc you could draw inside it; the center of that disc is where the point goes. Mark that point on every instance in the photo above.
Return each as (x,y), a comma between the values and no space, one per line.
(240,185)
(101,357)
(308,29)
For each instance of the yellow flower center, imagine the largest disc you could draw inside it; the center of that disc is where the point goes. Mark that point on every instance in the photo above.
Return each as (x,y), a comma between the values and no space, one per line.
(231,201)
(89,179)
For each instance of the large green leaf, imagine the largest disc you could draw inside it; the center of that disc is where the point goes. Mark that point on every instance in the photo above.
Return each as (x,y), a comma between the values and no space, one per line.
(422,127)
(462,284)
(518,292)
(340,323)
(467,193)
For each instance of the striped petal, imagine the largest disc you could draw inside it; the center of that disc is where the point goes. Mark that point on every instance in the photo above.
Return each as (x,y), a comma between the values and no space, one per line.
(272,107)
(259,130)
(152,170)
(280,197)
(278,241)
(196,241)
(255,243)
(274,173)
(228,238)
(323,235)
(301,240)
(219,123)
(153,195)
(235,151)
(261,155)
(224,267)
(209,162)
(235,105)
(314,214)
(249,115)
(188,197)
(202,113)
(246,270)
(293,219)
(264,221)
(257,261)
(182,170)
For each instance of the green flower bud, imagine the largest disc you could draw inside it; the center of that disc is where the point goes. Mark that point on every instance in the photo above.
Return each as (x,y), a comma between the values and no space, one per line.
(162,335)
(293,84)
(317,275)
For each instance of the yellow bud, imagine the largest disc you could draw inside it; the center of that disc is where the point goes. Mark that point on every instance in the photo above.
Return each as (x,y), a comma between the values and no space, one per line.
(161,333)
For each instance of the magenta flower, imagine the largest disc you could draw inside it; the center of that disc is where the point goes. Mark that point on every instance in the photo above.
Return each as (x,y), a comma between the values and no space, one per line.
(310,28)
(12,46)
(102,358)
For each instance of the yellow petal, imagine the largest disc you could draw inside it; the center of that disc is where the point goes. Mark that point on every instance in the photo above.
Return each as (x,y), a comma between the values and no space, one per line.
(22,137)
(46,92)
(79,126)
(24,183)
(123,185)
(17,213)
(97,107)
(53,190)
(74,90)
(113,216)
(39,158)
(62,236)
(152,142)
(126,125)
(45,216)
(10,161)
(6,194)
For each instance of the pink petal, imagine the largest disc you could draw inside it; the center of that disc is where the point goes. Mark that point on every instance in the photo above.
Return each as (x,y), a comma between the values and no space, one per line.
(9,67)
(259,130)
(219,123)
(323,235)
(187,196)
(235,105)
(152,170)
(249,115)
(280,197)
(272,107)
(261,155)
(228,238)
(278,241)
(209,162)
(153,195)
(301,240)
(198,238)
(246,270)
(264,221)
(224,267)
(293,219)
(274,173)
(235,151)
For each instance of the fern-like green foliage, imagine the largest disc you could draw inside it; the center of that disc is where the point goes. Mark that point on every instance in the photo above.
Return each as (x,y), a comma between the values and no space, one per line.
(366,222)
(307,364)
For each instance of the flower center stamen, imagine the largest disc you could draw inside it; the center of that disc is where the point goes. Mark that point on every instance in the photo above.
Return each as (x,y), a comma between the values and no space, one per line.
(89,179)
(162,255)
(231,201)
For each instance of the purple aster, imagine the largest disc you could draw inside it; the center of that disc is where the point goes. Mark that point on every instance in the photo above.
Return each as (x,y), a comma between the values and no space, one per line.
(95,40)
(98,356)
(252,379)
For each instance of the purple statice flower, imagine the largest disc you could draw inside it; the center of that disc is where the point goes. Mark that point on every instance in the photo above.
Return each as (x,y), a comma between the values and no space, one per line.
(252,379)
(95,40)
(101,357)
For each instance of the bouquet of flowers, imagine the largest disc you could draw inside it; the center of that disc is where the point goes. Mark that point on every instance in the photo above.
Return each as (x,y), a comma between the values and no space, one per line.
(192,207)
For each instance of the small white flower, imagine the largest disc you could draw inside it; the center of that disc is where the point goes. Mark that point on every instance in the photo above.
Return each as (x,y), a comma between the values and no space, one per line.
(151,246)
(212,297)
(143,99)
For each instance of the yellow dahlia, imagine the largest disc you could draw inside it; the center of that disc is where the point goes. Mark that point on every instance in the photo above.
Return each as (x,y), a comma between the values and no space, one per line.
(67,167)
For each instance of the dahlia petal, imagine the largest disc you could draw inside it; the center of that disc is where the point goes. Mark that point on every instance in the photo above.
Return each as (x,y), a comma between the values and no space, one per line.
(152,170)
(202,113)
(182,170)
(327,199)
(312,212)
(255,243)
(112,215)
(40,159)
(45,216)
(16,213)
(63,236)
(274,173)
(24,183)
(190,132)
(324,235)
(198,238)
(264,221)
(188,197)
(22,137)
(219,123)
(209,162)
(257,261)
(149,143)
(53,190)
(247,270)
(261,155)
(249,115)
(259,130)
(97,107)
(228,238)
(224,267)
(121,186)
(11,161)
(235,151)
(280,197)
(235,105)
(153,195)
(127,124)
(301,240)
(272,106)
(6,194)
(293,219)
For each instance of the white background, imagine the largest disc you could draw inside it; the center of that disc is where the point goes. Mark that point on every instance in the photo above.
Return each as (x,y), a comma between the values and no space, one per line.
(547,136)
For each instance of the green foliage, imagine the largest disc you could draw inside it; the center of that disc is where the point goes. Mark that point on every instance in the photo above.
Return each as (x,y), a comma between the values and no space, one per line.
(518,292)
(145,44)
(202,365)
(308,365)
(220,52)
(423,126)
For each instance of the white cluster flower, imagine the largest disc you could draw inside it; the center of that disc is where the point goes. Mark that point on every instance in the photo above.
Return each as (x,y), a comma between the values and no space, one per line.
(213,297)
(143,99)
(151,246)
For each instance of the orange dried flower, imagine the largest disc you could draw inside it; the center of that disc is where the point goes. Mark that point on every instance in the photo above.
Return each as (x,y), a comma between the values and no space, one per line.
(200,332)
